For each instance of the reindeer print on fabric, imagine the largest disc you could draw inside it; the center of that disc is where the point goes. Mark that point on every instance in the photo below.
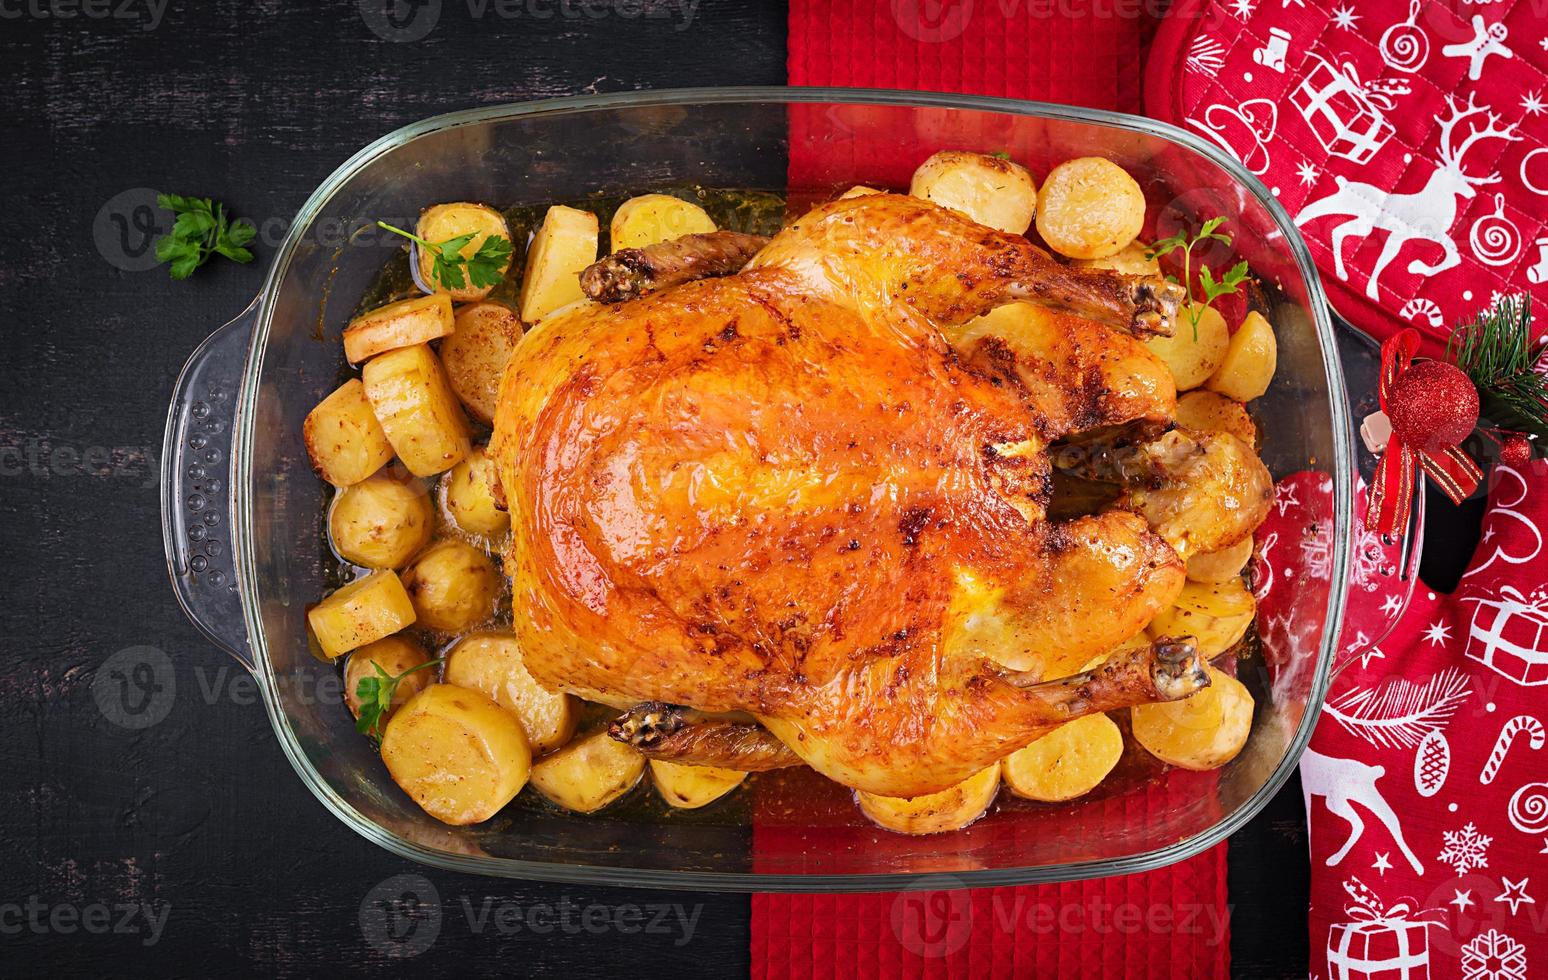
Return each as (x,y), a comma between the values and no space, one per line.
(1422,217)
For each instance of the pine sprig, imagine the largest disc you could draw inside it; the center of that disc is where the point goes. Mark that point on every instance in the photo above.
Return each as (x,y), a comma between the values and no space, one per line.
(1496,352)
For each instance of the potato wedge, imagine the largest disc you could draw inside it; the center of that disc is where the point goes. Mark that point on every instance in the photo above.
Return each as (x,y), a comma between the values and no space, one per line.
(1089,208)
(364,611)
(1204,731)
(690,787)
(381,522)
(395,655)
(1067,762)
(414,403)
(447,221)
(459,755)
(343,438)
(492,663)
(476,353)
(1208,411)
(1193,355)
(589,773)
(950,809)
(1215,614)
(991,190)
(403,324)
(561,249)
(1250,360)
(470,502)
(453,586)
(652,218)
(1131,260)
(1218,567)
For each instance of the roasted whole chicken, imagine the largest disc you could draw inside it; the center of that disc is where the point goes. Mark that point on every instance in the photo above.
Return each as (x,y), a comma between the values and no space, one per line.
(796,511)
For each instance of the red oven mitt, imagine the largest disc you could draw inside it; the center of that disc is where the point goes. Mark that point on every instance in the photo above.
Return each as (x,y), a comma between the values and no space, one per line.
(1427,778)
(1407,138)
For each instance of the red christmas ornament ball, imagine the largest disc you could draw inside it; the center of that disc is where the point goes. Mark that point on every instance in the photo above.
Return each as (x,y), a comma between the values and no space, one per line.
(1433,406)
(1516,450)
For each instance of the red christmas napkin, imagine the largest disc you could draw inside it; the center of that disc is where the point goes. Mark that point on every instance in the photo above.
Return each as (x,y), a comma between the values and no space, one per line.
(1407,138)
(1027,50)
(1427,779)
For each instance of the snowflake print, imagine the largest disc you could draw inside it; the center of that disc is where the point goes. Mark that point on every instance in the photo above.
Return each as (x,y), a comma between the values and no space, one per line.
(1391,605)
(1466,849)
(1308,172)
(1206,56)
(1242,8)
(1345,17)
(1493,955)
(1437,634)
(1533,104)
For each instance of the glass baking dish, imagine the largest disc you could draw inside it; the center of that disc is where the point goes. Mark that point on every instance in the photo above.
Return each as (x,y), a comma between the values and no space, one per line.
(244,513)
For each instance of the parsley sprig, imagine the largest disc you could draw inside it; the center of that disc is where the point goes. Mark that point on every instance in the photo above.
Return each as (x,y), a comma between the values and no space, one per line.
(200,231)
(452,269)
(1213,288)
(375,696)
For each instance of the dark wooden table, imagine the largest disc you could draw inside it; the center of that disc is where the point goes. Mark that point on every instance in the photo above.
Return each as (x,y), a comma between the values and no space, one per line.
(190,847)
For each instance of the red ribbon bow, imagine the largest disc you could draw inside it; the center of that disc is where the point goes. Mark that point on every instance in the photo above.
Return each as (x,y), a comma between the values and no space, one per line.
(1392,492)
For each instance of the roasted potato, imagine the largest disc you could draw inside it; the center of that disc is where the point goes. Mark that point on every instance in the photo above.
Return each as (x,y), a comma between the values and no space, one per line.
(343,438)
(447,221)
(381,522)
(1215,614)
(453,586)
(560,251)
(414,403)
(1225,565)
(364,611)
(1089,208)
(492,663)
(476,353)
(652,218)
(1249,362)
(1193,353)
(1208,411)
(1067,762)
(470,502)
(991,190)
(690,787)
(396,655)
(589,773)
(459,755)
(950,809)
(1204,731)
(403,324)
(1131,260)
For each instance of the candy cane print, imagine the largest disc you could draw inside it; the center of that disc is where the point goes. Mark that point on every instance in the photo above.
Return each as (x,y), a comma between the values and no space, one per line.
(1536,736)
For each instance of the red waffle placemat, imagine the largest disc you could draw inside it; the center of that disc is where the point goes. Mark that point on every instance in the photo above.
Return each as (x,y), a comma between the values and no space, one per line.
(1025,50)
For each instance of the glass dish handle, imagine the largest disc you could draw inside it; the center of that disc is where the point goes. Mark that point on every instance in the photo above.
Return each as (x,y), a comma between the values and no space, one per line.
(196,522)
(1374,561)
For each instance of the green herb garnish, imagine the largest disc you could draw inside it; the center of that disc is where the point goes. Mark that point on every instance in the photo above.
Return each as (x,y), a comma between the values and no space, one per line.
(200,231)
(375,696)
(1213,288)
(452,269)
